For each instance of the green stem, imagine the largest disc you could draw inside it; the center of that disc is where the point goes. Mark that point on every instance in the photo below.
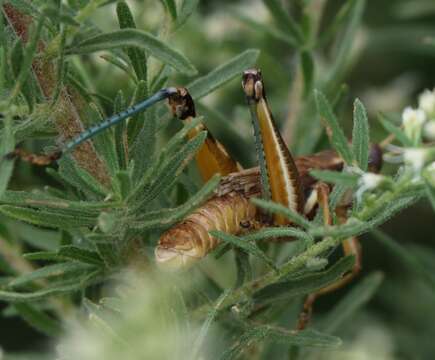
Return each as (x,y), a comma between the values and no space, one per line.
(272,277)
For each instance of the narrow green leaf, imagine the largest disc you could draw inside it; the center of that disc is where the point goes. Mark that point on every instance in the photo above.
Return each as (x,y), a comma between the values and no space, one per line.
(276,233)
(358,296)
(243,266)
(255,334)
(60,17)
(169,171)
(116,61)
(338,139)
(15,297)
(51,271)
(143,132)
(250,247)
(103,142)
(360,135)
(7,144)
(346,42)
(51,219)
(187,8)
(264,29)
(81,255)
(138,121)
(43,256)
(137,56)
(139,39)
(396,131)
(307,64)
(406,257)
(337,23)
(107,252)
(282,210)
(120,141)
(199,341)
(62,67)
(223,73)
(80,178)
(166,217)
(44,200)
(123,183)
(284,20)
(38,238)
(336,177)
(337,194)
(29,53)
(305,284)
(39,320)
(171,7)
(17,61)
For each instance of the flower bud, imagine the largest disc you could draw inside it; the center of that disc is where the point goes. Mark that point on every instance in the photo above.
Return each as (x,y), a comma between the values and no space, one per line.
(429,130)
(426,102)
(413,120)
(416,158)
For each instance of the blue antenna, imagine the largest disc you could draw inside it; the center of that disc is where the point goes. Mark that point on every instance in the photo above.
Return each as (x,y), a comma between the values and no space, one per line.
(44,160)
(117,118)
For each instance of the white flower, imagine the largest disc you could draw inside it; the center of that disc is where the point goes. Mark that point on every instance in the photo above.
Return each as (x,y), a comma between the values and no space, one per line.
(370,181)
(413,117)
(426,102)
(429,130)
(413,120)
(415,158)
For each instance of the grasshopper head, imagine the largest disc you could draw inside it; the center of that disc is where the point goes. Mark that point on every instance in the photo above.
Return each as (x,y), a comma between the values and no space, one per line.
(181,104)
(252,84)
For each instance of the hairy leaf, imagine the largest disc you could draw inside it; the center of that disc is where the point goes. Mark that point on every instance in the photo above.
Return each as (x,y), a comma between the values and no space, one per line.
(338,139)
(360,135)
(140,39)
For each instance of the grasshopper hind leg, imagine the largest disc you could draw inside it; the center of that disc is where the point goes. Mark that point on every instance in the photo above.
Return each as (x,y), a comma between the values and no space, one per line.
(351,246)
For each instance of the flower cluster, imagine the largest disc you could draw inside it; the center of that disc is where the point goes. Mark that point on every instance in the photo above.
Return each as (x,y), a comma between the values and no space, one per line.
(417,154)
(419,124)
(420,121)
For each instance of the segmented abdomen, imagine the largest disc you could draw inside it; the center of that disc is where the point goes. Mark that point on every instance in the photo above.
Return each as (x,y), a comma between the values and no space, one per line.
(190,240)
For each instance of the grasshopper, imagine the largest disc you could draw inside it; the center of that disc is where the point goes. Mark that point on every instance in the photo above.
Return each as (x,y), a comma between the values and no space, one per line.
(280,177)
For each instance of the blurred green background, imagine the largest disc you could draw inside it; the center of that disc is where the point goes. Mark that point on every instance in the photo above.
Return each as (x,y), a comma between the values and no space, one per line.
(391,65)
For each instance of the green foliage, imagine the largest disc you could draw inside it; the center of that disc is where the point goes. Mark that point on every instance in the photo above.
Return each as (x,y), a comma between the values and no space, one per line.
(67,233)
(139,39)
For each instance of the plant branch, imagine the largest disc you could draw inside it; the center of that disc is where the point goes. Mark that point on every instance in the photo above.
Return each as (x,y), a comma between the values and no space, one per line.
(67,112)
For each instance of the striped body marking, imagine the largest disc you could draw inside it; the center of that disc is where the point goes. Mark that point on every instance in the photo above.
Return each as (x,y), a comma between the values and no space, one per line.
(280,169)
